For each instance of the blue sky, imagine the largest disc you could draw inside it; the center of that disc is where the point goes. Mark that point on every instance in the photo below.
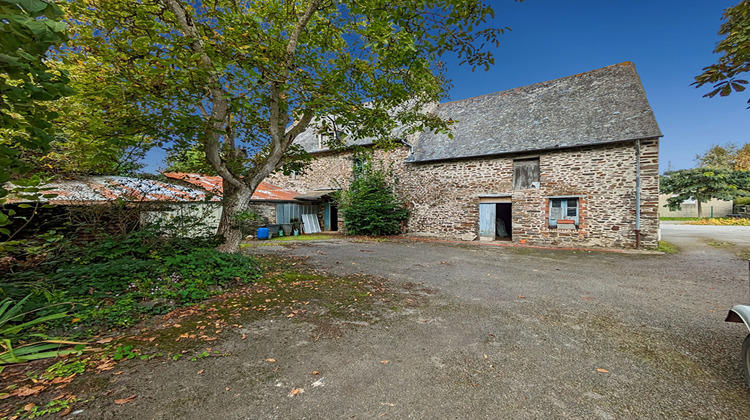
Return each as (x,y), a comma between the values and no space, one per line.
(669,41)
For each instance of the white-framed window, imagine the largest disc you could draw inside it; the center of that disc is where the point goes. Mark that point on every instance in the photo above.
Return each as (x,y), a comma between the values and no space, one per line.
(564,209)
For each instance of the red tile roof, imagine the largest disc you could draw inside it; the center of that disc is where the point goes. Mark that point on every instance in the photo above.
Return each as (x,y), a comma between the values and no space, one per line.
(213,185)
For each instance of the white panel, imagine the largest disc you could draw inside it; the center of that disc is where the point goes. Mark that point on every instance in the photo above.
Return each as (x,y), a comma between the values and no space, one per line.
(311,223)
(487,215)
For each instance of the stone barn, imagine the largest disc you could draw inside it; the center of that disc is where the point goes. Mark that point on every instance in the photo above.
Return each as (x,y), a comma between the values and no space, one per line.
(567,162)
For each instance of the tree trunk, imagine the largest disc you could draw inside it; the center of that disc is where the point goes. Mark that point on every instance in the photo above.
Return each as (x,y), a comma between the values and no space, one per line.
(234,200)
(699,208)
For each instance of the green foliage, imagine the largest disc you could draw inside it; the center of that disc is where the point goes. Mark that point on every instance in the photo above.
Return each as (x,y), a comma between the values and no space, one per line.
(729,156)
(29,190)
(370,205)
(248,221)
(735,50)
(97,134)
(65,368)
(54,406)
(116,280)
(27,83)
(667,247)
(124,353)
(189,159)
(15,323)
(703,185)
(742,201)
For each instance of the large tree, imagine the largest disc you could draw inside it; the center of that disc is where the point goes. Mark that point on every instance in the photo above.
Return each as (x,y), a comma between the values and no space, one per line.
(735,50)
(243,78)
(703,184)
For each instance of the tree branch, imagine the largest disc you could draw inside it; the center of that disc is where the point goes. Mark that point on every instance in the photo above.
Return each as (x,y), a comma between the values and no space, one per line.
(219,105)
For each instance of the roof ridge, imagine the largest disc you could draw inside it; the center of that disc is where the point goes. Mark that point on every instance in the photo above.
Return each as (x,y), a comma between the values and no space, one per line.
(572,76)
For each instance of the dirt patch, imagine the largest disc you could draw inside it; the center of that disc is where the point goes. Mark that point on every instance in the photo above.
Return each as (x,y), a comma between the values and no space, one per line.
(323,306)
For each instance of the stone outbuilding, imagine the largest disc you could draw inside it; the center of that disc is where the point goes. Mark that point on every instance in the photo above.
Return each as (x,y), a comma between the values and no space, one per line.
(567,162)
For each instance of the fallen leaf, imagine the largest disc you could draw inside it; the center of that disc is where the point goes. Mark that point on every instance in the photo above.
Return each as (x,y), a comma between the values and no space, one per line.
(296,391)
(244,336)
(602,370)
(126,400)
(117,373)
(29,407)
(151,339)
(201,371)
(521,297)
(315,372)
(177,325)
(385,362)
(106,366)
(61,380)
(26,391)
(485,356)
(66,411)
(269,360)
(105,340)
(227,388)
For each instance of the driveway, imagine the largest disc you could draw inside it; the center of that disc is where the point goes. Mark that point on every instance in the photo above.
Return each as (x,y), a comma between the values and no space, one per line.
(690,235)
(492,332)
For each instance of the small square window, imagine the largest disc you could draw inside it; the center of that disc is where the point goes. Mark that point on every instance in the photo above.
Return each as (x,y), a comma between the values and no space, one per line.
(563,211)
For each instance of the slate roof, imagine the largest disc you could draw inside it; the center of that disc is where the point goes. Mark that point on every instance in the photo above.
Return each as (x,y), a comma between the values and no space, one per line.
(99,189)
(214,185)
(601,106)
(308,139)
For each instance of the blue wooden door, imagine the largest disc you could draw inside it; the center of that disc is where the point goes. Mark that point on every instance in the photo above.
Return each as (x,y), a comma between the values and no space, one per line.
(487,216)
(327,216)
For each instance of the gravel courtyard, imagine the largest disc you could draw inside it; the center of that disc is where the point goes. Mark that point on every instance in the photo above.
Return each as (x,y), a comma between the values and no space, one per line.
(490,332)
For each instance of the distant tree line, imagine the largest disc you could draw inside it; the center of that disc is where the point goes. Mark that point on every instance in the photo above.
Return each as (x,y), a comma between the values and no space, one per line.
(722,172)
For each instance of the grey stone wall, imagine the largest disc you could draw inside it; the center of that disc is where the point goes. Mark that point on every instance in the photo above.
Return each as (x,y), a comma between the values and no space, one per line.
(444,196)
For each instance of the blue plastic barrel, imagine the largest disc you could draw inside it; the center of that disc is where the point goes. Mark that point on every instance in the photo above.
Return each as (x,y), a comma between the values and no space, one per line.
(262,233)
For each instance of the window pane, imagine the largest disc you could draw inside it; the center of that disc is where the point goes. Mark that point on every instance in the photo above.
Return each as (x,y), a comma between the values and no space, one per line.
(572,207)
(555,211)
